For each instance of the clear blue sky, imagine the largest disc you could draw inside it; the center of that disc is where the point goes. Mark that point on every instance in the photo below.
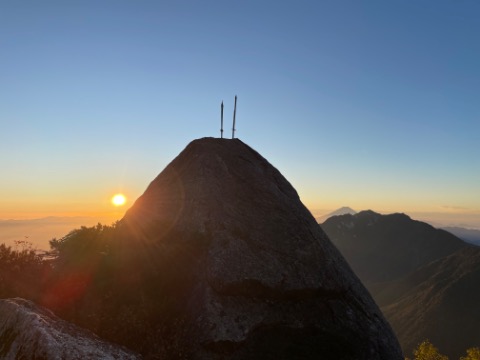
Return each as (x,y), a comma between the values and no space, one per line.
(371,104)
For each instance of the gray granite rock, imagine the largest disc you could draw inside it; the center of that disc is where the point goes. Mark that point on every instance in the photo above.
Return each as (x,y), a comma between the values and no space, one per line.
(265,282)
(28,331)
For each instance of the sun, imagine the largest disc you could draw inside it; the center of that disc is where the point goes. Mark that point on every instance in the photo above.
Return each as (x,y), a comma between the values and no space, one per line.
(119,200)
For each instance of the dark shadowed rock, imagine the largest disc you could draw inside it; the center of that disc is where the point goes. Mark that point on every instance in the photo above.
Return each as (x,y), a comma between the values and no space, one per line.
(31,332)
(251,273)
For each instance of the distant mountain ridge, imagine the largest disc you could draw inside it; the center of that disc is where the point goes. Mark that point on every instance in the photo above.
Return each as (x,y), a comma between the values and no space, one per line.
(341,211)
(471,236)
(387,247)
(424,279)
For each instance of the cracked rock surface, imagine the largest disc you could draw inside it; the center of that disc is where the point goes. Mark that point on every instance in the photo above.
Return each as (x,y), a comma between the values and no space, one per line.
(28,331)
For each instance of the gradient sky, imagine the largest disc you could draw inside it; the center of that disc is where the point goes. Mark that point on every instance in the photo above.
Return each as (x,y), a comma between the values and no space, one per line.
(370,104)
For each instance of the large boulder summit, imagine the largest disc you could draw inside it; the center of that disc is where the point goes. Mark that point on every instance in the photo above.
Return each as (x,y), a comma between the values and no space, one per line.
(246,271)
(28,331)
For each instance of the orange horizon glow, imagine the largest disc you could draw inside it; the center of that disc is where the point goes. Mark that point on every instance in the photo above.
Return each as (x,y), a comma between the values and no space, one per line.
(103,210)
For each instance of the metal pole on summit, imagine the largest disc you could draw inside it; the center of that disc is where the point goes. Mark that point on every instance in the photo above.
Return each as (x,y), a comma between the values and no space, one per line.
(221,121)
(234,113)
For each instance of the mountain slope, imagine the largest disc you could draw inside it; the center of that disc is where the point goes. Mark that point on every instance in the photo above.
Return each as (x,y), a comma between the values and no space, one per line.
(471,236)
(386,247)
(424,279)
(441,304)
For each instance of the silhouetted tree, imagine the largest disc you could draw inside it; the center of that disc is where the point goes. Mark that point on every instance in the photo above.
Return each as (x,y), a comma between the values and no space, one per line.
(103,280)
(472,354)
(21,272)
(427,351)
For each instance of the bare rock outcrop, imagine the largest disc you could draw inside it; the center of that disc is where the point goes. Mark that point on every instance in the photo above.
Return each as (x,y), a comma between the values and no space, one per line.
(28,331)
(252,274)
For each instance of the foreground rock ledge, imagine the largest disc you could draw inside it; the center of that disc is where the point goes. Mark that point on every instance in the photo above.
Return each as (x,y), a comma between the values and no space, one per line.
(28,331)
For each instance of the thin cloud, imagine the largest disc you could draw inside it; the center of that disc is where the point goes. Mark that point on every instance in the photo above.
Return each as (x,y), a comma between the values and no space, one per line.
(455,208)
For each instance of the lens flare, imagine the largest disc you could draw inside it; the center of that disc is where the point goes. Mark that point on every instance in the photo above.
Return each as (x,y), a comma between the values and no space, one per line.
(119,200)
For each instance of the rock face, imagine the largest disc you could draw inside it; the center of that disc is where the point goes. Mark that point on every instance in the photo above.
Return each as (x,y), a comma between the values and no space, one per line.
(30,332)
(254,275)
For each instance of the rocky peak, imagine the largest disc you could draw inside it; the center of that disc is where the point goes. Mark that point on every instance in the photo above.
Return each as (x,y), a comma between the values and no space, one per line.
(260,278)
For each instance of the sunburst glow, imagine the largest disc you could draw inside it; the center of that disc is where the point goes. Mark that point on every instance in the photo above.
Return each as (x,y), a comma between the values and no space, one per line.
(119,200)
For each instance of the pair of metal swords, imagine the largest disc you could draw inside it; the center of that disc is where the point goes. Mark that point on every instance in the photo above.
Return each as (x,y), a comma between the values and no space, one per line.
(234,113)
